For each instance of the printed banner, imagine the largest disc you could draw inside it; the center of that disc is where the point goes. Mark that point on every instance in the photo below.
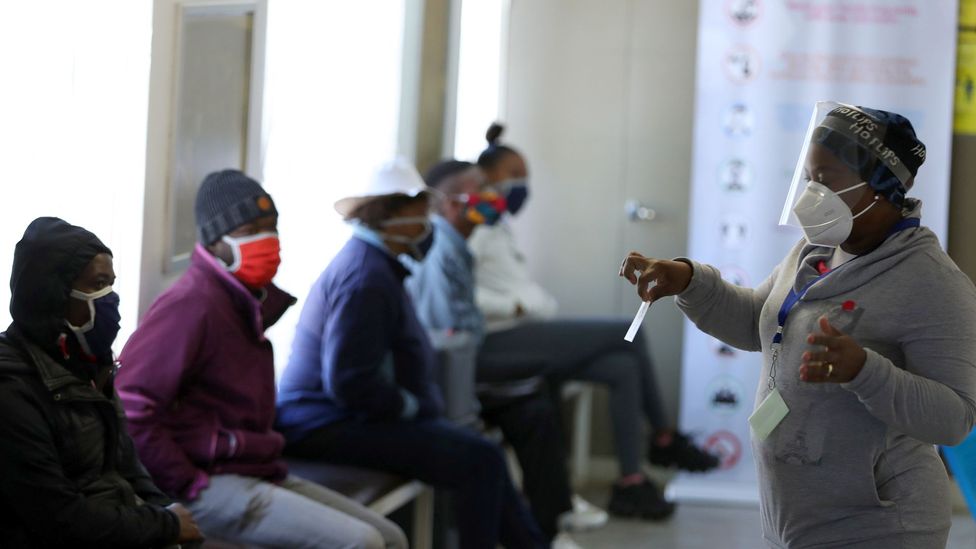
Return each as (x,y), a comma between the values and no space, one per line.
(762,64)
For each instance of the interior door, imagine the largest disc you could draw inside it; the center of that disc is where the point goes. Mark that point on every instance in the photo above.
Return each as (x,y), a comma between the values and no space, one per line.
(599,96)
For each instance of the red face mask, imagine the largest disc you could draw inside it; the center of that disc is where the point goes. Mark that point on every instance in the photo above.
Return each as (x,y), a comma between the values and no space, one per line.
(256,258)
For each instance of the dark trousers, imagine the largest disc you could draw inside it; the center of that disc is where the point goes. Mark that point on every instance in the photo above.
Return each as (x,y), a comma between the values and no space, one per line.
(589,350)
(531,427)
(488,509)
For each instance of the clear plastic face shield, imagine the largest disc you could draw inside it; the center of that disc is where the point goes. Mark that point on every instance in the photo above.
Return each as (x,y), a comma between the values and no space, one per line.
(841,147)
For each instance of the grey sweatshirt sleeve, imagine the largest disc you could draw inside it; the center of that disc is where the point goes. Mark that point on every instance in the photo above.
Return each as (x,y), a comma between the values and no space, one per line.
(934,398)
(724,310)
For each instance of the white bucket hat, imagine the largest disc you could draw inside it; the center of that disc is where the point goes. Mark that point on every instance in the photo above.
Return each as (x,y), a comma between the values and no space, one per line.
(391,178)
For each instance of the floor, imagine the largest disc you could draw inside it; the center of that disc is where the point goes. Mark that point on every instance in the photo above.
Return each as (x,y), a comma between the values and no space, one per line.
(711,527)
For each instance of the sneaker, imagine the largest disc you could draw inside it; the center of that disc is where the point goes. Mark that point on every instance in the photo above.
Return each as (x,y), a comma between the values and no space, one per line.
(564,541)
(682,453)
(642,500)
(584,516)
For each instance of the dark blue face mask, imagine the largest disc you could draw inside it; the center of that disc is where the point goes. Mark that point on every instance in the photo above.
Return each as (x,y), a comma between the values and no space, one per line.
(97,335)
(516,192)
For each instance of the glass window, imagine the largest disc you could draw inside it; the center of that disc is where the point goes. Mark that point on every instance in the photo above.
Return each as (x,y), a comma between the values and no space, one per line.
(481,64)
(332,106)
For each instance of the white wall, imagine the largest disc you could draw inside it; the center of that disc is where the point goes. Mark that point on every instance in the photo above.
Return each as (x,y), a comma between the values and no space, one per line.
(72,136)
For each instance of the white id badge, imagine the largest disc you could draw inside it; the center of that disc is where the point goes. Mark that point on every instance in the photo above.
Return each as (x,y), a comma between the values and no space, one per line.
(636,324)
(768,415)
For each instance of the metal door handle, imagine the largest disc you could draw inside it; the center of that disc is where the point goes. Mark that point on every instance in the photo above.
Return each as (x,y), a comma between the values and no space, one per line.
(638,212)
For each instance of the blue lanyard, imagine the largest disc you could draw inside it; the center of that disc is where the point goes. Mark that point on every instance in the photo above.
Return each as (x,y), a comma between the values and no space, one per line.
(793,298)
(908,223)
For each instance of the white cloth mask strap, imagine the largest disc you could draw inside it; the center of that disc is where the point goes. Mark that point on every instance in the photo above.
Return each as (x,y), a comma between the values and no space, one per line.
(414,220)
(858,186)
(865,210)
(90,299)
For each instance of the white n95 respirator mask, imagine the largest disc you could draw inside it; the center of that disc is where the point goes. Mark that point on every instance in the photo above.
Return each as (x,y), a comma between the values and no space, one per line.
(823,215)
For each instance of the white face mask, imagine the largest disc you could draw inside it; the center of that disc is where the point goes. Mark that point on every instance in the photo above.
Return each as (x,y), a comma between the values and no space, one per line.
(824,216)
(416,220)
(419,245)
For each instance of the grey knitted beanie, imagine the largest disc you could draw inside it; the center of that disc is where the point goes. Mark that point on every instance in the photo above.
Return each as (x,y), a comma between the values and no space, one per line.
(226,200)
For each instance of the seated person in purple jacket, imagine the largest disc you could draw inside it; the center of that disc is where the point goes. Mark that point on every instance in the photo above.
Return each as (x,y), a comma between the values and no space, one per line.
(70,476)
(197,381)
(359,386)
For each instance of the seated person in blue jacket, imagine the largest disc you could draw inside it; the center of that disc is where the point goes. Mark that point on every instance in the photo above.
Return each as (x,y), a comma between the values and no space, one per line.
(70,476)
(359,386)
(442,289)
(197,381)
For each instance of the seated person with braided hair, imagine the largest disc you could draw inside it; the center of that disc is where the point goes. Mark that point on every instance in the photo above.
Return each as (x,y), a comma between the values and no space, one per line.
(523,333)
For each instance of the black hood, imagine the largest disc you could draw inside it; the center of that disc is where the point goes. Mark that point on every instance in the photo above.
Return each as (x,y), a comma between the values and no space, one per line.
(47,261)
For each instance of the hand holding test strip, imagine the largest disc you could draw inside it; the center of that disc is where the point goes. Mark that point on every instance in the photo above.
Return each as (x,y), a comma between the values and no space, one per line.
(654,278)
(638,320)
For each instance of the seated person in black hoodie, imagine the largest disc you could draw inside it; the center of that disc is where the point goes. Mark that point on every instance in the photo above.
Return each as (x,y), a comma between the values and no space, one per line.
(71,477)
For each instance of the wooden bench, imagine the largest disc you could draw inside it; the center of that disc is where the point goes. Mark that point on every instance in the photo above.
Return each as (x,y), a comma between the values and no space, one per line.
(382,492)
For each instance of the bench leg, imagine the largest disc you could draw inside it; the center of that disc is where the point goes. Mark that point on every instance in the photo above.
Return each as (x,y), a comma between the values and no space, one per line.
(581,434)
(423,519)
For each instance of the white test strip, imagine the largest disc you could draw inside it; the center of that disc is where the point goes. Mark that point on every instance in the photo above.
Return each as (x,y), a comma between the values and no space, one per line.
(636,324)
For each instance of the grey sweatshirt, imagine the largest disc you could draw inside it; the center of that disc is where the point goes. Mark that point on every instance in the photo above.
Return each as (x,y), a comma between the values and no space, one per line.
(854,464)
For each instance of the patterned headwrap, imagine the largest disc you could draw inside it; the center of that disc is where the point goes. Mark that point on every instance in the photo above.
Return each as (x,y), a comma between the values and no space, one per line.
(880,146)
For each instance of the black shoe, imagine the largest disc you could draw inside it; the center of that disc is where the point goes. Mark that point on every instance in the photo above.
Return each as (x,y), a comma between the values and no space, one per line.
(682,453)
(642,500)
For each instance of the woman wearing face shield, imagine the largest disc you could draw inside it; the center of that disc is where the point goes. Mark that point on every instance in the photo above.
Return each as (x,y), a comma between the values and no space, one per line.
(866,333)
(359,387)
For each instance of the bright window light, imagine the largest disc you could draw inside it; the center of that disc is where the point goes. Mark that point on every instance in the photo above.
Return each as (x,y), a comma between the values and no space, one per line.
(484,25)
(73,136)
(332,99)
